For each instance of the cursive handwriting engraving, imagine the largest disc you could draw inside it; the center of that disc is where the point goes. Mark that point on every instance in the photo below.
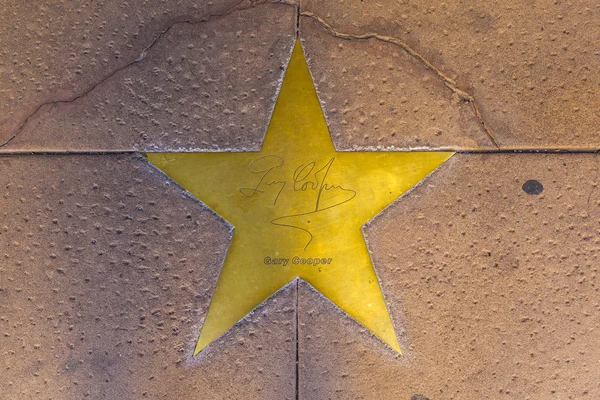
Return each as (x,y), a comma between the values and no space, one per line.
(264,165)
(305,178)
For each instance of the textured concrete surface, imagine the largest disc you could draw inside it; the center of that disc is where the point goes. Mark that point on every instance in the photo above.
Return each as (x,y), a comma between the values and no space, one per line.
(194,77)
(494,292)
(107,271)
(531,70)
(377,96)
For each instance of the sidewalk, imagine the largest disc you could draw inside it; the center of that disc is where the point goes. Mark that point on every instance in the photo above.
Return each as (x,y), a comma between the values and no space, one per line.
(488,266)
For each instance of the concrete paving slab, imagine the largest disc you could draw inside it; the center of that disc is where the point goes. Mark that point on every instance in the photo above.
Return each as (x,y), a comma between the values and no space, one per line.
(377,96)
(530,71)
(193,77)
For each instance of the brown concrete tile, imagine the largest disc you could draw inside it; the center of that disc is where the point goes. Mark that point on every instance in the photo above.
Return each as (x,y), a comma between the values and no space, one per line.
(530,69)
(134,77)
(375,95)
(107,271)
(494,291)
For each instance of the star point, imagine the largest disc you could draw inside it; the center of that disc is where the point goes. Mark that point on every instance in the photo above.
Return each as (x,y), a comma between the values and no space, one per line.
(297,208)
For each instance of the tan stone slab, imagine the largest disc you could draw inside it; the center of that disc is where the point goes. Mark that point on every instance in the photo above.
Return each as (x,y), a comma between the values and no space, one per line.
(107,271)
(530,69)
(191,77)
(494,292)
(376,96)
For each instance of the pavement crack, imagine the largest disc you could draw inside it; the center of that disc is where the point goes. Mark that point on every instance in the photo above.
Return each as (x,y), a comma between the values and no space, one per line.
(298,21)
(448,82)
(50,104)
(593,189)
(239,6)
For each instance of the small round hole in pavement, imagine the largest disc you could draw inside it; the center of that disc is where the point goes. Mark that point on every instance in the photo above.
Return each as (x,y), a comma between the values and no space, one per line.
(419,397)
(533,187)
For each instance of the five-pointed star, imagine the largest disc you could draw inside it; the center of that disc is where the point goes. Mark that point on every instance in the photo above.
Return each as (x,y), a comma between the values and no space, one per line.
(297,207)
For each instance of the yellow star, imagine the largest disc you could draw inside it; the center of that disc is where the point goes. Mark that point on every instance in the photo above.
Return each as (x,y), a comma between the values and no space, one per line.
(297,207)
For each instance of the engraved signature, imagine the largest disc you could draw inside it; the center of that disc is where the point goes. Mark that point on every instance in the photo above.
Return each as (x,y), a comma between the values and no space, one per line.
(306,177)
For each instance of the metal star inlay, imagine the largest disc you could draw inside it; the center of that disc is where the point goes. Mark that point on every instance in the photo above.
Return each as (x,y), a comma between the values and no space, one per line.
(297,208)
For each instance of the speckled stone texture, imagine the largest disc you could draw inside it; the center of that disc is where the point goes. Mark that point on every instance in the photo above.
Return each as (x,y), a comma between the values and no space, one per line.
(531,69)
(107,269)
(494,291)
(136,76)
(376,96)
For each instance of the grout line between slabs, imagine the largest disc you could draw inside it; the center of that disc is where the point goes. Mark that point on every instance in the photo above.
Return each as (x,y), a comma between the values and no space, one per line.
(457,151)
(297,344)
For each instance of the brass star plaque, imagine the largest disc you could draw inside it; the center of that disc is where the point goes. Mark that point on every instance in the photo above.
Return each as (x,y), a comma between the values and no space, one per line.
(297,207)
